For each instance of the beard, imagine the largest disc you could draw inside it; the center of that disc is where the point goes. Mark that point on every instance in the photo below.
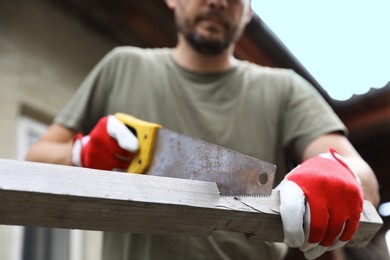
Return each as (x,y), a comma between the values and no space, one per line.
(207,45)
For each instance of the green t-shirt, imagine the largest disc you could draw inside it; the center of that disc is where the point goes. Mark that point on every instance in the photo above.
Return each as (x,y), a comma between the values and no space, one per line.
(271,114)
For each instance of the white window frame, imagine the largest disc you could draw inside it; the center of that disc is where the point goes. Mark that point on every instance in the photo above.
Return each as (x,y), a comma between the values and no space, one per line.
(28,131)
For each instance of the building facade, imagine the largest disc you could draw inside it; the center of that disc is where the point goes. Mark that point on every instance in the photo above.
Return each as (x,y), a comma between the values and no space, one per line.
(44,55)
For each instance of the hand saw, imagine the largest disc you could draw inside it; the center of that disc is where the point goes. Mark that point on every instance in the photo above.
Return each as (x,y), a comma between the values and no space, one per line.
(166,153)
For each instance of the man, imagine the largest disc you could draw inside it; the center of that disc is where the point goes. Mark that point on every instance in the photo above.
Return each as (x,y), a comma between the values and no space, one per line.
(200,89)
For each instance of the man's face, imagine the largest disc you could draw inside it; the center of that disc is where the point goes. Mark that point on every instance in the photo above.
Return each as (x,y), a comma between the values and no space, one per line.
(210,26)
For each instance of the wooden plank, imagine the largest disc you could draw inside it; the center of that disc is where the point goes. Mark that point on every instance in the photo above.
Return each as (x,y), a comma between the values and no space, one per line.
(35,194)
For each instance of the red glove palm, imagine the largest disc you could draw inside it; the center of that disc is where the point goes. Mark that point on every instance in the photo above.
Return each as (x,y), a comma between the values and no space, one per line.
(321,203)
(109,146)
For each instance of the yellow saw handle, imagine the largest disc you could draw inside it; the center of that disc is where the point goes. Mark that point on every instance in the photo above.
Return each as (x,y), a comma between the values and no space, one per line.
(146,133)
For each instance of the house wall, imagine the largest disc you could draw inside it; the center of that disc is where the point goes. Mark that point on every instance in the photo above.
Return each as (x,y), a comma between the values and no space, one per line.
(44,55)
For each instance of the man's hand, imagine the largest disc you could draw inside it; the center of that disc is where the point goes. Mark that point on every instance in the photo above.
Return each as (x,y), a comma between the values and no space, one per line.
(109,146)
(320,204)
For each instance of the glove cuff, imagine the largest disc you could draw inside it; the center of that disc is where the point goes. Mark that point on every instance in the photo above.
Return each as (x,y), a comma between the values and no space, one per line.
(79,141)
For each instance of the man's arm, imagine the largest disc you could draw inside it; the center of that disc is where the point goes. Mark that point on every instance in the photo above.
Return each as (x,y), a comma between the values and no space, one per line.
(321,199)
(109,146)
(55,146)
(341,144)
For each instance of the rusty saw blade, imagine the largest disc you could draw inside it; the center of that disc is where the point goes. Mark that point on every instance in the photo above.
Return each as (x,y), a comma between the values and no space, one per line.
(175,155)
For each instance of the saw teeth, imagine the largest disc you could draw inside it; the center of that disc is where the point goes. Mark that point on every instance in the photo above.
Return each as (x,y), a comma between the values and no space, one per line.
(237,197)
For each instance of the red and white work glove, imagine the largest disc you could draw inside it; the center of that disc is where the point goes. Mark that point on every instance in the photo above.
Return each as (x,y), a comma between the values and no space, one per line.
(109,146)
(320,204)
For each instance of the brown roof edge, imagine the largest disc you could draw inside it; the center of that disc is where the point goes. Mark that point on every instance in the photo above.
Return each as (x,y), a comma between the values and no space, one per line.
(375,97)
(267,39)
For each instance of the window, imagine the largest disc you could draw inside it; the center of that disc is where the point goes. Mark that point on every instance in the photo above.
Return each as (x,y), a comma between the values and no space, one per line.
(38,243)
(35,243)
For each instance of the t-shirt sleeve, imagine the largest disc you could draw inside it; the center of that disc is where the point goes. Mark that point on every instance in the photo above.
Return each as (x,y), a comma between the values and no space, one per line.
(86,106)
(307,116)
